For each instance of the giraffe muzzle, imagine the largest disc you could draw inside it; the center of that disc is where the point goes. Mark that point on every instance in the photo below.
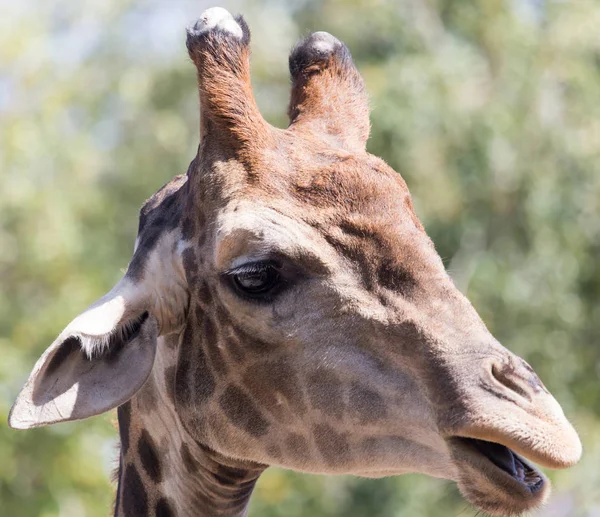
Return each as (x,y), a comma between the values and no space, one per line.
(508,420)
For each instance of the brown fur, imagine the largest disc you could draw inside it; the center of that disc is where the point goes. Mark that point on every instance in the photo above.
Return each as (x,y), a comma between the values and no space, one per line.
(367,360)
(247,396)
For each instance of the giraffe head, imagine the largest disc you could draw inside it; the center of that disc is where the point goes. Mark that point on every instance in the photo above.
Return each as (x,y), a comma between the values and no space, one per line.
(313,322)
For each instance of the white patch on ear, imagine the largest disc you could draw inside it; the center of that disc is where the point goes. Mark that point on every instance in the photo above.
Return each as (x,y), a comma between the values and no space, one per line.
(105,317)
(219,18)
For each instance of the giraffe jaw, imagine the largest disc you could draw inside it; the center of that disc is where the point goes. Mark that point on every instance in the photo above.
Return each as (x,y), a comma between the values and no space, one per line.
(496,479)
(508,462)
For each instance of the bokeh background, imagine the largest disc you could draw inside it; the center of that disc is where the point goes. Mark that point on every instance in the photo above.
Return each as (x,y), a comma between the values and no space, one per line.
(489,109)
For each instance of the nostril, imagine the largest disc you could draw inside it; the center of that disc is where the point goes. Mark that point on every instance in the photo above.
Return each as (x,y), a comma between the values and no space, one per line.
(508,378)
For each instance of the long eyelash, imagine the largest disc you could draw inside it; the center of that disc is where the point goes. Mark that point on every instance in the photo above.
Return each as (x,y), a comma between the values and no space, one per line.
(255,267)
(252,268)
(109,344)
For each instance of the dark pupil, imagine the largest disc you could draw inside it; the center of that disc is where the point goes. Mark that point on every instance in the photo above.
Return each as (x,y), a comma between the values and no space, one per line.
(256,280)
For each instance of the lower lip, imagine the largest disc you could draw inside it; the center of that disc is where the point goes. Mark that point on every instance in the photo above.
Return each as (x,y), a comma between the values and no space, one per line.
(525,475)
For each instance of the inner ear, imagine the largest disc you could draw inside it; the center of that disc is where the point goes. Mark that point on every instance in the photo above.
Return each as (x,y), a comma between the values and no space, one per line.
(80,376)
(110,345)
(75,355)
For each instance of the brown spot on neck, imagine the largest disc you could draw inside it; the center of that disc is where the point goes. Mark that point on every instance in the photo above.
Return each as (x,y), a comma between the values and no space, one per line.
(124,417)
(164,508)
(149,457)
(208,483)
(134,496)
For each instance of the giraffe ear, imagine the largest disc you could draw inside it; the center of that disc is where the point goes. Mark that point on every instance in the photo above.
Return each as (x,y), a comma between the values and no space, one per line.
(97,363)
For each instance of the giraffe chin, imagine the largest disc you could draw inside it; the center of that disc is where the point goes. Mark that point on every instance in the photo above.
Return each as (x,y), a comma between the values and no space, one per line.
(497,480)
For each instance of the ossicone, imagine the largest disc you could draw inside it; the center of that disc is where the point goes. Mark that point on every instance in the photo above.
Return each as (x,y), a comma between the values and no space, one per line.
(328,97)
(230,121)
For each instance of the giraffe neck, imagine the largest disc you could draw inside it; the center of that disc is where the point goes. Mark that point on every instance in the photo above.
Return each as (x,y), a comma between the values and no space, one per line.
(163,472)
(208,486)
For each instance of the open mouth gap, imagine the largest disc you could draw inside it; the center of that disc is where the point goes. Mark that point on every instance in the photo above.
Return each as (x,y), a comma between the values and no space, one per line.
(509,462)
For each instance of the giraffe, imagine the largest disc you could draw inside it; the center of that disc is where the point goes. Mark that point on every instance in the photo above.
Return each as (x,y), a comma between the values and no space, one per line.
(285,307)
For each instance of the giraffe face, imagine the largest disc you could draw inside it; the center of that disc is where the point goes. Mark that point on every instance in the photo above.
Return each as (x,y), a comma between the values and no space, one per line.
(312,322)
(324,335)
(306,305)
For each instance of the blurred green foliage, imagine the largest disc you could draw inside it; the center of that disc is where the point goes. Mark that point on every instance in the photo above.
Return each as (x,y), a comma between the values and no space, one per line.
(489,109)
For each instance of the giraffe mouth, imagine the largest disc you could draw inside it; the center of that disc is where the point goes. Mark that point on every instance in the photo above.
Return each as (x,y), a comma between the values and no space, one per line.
(507,461)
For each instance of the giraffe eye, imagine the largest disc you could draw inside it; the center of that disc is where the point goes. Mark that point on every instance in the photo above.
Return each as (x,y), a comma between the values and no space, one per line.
(259,280)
